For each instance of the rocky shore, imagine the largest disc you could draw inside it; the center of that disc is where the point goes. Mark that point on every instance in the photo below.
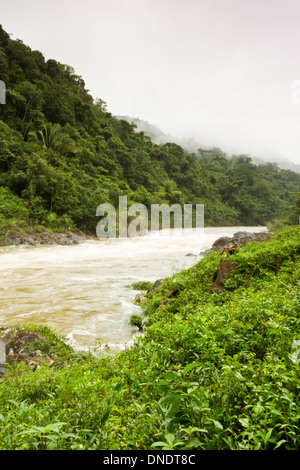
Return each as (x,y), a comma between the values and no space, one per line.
(224,245)
(238,239)
(24,346)
(46,237)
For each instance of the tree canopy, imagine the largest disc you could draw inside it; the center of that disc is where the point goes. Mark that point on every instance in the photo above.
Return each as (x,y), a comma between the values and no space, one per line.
(62,154)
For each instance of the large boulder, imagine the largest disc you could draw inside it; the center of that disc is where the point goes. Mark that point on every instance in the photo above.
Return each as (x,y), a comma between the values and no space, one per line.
(225,269)
(242,238)
(220,243)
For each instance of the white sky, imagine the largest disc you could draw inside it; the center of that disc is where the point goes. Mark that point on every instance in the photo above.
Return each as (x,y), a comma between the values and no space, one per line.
(220,71)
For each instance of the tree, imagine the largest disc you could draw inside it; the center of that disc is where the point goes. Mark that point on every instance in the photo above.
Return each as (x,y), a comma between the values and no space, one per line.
(53,136)
(294,214)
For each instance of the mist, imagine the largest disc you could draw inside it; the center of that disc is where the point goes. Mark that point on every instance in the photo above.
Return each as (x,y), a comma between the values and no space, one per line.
(191,145)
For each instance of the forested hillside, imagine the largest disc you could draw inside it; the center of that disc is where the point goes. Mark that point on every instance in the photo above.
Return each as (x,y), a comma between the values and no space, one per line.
(62,154)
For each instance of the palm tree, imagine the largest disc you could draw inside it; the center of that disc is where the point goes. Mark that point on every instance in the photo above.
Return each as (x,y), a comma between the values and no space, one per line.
(53,136)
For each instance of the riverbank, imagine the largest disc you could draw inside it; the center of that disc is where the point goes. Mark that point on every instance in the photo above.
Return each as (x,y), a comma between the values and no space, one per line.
(215,369)
(18,339)
(82,290)
(15,237)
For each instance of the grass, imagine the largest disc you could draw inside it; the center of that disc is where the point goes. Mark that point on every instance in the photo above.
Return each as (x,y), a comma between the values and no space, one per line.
(213,370)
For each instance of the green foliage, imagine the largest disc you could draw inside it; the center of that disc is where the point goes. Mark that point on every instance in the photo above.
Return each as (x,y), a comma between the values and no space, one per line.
(293,216)
(213,370)
(63,154)
(11,207)
(141,285)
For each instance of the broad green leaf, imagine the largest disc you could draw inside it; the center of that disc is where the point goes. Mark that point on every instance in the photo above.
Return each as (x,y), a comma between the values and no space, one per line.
(244,422)
(190,366)
(218,424)
(280,443)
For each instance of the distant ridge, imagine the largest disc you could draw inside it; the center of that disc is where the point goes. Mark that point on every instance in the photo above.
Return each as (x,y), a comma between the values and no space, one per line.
(191,145)
(160,137)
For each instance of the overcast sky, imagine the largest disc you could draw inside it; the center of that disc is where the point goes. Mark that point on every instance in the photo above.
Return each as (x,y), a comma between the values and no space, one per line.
(220,71)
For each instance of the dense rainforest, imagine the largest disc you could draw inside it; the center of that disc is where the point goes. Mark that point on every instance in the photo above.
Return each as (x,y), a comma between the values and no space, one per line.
(62,154)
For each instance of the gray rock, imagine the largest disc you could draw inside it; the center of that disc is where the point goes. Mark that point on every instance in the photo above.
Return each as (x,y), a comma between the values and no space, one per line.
(206,252)
(220,243)
(240,238)
(155,285)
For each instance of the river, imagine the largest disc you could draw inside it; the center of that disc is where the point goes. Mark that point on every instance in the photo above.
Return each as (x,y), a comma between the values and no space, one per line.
(82,290)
